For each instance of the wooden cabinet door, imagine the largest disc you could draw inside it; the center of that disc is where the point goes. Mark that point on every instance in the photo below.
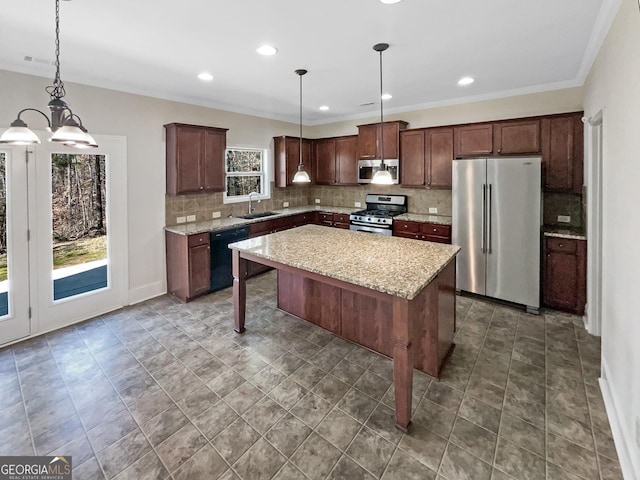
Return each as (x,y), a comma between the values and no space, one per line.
(325,161)
(292,159)
(347,160)
(412,158)
(391,140)
(473,140)
(187,155)
(215,143)
(517,138)
(565,265)
(439,157)
(368,141)
(199,270)
(562,153)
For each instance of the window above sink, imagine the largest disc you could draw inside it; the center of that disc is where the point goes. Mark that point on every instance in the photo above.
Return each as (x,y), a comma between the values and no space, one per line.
(246,171)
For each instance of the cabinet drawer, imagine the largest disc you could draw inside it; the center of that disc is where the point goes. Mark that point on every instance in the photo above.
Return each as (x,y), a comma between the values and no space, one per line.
(406,226)
(259,228)
(199,239)
(341,218)
(566,245)
(325,217)
(436,230)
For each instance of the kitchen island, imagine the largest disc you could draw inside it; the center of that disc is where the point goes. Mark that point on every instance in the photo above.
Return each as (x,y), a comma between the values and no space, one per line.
(393,295)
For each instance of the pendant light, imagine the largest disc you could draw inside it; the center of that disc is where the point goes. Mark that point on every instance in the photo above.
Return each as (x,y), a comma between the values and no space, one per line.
(66,126)
(382,176)
(301,175)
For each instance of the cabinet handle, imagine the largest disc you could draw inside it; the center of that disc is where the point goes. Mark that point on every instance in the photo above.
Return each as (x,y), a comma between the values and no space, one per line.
(561,245)
(499,150)
(435,229)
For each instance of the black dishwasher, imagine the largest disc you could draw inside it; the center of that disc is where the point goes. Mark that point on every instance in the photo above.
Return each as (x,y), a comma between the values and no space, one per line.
(221,276)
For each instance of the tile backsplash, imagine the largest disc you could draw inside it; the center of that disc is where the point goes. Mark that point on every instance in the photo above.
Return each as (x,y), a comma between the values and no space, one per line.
(420,200)
(203,205)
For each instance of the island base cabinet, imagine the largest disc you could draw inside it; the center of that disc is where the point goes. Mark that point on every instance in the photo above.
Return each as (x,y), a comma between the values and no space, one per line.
(369,320)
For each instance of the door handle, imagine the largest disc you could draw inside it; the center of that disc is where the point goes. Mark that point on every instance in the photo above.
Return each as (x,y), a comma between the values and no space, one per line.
(484,217)
(489,221)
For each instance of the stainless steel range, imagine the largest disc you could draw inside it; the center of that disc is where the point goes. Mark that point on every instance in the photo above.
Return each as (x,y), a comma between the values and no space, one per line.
(378,217)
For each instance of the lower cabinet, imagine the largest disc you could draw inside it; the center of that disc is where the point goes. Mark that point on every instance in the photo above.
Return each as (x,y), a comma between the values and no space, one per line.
(564,284)
(188,265)
(430,232)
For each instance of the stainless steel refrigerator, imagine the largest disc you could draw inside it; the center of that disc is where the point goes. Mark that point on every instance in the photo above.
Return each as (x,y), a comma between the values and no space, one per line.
(496,220)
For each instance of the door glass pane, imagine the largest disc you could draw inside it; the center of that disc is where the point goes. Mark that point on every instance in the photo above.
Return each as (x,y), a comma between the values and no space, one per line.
(79,221)
(4,273)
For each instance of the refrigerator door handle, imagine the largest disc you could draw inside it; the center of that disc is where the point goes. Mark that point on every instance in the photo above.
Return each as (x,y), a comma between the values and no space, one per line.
(484,217)
(489,222)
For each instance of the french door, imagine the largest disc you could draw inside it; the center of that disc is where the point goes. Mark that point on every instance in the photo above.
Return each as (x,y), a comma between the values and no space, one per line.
(66,229)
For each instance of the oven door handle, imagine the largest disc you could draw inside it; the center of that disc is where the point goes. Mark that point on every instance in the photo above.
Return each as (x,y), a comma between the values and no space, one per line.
(369,229)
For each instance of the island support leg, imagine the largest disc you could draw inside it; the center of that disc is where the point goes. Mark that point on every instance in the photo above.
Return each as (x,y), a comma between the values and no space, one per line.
(402,362)
(239,270)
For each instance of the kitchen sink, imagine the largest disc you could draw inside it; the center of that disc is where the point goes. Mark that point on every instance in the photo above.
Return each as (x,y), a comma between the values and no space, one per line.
(257,215)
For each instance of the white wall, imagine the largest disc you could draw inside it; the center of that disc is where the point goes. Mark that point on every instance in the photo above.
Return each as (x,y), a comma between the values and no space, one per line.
(613,87)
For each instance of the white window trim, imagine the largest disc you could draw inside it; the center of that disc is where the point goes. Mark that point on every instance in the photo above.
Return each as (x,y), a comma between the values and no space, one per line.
(266,173)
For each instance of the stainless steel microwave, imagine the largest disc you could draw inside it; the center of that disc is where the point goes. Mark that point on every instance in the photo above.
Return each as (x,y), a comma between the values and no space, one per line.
(368,168)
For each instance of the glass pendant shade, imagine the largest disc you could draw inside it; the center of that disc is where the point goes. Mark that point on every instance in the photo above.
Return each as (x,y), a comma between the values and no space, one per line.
(382,177)
(301,176)
(19,136)
(71,135)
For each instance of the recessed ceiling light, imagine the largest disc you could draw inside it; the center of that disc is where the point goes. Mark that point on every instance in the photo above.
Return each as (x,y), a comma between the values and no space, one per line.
(205,76)
(386,96)
(324,108)
(466,81)
(267,50)
(389,2)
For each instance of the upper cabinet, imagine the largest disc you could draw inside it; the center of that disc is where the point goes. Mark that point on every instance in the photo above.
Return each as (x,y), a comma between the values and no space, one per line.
(347,160)
(412,158)
(195,158)
(287,158)
(473,140)
(369,140)
(519,137)
(562,153)
(439,156)
(324,152)
(425,157)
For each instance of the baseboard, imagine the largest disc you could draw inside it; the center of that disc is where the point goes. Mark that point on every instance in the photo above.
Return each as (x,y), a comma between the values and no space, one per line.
(625,445)
(146,292)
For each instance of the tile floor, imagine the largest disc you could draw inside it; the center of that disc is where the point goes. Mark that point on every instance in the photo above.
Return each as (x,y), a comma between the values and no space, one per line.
(165,390)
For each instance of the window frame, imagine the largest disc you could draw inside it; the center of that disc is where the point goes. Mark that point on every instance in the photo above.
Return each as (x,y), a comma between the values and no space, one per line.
(265,173)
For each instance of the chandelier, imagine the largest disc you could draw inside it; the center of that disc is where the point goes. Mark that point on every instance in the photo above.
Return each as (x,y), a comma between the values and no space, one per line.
(65,125)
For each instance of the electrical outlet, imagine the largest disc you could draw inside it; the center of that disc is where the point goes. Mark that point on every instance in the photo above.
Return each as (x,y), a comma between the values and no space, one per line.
(285,204)
(181,220)
(216,215)
(358,204)
(317,200)
(433,210)
(564,218)
(191,218)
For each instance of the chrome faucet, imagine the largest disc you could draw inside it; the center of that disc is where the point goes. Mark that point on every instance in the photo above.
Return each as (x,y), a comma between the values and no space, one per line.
(250,204)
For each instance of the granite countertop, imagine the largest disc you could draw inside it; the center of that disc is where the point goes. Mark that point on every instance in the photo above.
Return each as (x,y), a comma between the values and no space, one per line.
(420,217)
(564,232)
(398,266)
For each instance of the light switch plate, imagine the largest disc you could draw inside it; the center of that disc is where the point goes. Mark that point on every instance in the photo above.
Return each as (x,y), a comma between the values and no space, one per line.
(191,218)
(564,218)
(433,210)
(285,204)
(317,200)
(216,215)
(357,204)
(181,220)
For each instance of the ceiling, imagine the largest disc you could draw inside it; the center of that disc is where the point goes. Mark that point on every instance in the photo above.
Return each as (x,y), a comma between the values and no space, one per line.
(157,48)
